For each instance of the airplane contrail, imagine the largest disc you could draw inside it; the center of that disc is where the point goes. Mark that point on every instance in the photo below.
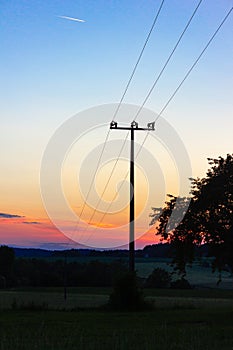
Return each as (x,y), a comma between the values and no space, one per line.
(72,19)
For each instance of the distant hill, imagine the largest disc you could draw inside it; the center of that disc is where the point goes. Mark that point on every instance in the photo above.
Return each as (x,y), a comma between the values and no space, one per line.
(32,253)
(150,251)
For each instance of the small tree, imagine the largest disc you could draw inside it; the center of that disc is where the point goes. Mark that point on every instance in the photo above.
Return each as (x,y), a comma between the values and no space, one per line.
(159,278)
(126,293)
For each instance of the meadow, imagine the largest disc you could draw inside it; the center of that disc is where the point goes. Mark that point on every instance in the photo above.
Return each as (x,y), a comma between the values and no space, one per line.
(86,298)
(177,328)
(39,318)
(197,274)
(200,318)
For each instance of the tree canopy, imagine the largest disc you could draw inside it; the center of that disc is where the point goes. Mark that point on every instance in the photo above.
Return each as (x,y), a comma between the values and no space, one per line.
(208,219)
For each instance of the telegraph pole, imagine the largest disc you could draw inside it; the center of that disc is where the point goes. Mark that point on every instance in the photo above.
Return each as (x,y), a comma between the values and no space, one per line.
(133,127)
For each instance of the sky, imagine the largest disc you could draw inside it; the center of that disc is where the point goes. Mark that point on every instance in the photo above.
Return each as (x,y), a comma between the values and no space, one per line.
(54,69)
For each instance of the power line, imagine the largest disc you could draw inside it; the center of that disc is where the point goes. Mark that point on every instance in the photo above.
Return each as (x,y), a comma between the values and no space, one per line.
(98,164)
(154,84)
(170,99)
(139,58)
(167,61)
(119,104)
(196,61)
(105,187)
(116,194)
(188,73)
(93,178)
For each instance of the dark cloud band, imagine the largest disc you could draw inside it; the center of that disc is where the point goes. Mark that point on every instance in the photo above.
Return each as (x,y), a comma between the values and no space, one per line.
(32,222)
(9,216)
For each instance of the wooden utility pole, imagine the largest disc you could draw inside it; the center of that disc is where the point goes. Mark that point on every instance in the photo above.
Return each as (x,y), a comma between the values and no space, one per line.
(133,127)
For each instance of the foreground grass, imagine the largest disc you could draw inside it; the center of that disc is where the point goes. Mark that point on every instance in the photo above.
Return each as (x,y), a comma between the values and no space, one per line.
(90,297)
(170,329)
(178,320)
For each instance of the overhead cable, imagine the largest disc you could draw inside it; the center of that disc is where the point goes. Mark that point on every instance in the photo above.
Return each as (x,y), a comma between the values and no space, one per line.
(171,98)
(118,107)
(152,88)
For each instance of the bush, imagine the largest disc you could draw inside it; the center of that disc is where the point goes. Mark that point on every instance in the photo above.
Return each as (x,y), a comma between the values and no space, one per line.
(159,278)
(126,294)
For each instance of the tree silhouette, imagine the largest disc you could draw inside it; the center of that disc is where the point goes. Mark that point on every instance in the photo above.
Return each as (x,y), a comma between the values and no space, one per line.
(7,257)
(126,293)
(209,218)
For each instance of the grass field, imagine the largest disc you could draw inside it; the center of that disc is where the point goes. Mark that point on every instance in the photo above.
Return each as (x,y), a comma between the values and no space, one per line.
(176,329)
(38,318)
(196,274)
(86,298)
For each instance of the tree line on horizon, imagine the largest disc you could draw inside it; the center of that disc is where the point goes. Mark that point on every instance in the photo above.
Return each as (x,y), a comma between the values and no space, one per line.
(37,272)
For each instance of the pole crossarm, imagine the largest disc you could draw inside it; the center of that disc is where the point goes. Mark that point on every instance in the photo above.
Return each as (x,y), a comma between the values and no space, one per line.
(133,127)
